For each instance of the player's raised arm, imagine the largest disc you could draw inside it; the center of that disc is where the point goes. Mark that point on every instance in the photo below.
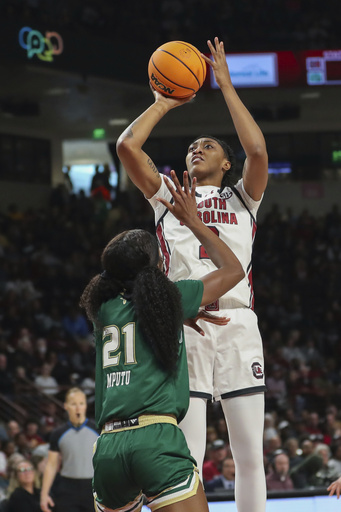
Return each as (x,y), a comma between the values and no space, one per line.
(255,172)
(139,166)
(229,271)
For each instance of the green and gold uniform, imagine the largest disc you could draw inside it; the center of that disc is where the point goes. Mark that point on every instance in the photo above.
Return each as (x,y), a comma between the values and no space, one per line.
(141,449)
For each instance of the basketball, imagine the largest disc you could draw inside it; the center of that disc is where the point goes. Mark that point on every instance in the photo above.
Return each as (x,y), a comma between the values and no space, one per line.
(177,69)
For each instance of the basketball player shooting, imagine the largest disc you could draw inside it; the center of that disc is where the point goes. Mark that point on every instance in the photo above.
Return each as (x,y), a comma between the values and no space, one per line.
(229,207)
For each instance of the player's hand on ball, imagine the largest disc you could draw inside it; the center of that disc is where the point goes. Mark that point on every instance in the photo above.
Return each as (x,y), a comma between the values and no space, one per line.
(169,101)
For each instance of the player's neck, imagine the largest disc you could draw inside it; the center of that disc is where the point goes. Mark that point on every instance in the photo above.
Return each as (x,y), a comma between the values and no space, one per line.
(207,183)
(210,180)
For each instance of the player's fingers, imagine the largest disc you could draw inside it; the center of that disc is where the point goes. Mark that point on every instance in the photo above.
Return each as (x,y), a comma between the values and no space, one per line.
(170,187)
(193,186)
(209,61)
(218,44)
(217,320)
(198,329)
(211,47)
(165,203)
(186,183)
(175,180)
(180,192)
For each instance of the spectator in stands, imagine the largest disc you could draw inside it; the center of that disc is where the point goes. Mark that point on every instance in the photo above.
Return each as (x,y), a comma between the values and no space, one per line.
(88,385)
(39,460)
(23,355)
(224,481)
(83,359)
(300,472)
(45,382)
(6,379)
(269,427)
(211,434)
(335,460)
(276,394)
(22,493)
(48,421)
(278,479)
(3,463)
(272,446)
(32,434)
(216,454)
(222,430)
(13,428)
(22,383)
(75,324)
(328,472)
(12,462)
(9,447)
(293,451)
(22,445)
(313,425)
(40,351)
(314,469)
(331,425)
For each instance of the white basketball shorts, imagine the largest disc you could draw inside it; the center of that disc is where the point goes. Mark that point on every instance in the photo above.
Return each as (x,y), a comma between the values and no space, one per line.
(228,361)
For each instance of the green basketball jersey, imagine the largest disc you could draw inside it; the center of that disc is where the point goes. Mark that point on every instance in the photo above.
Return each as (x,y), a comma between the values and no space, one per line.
(129,379)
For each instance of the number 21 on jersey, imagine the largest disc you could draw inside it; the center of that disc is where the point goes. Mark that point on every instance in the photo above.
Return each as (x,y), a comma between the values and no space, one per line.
(111,353)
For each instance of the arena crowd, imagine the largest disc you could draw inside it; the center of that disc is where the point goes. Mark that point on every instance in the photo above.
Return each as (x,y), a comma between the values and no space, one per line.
(48,255)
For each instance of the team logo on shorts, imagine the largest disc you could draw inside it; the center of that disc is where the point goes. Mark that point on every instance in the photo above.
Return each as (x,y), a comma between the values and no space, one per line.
(257,370)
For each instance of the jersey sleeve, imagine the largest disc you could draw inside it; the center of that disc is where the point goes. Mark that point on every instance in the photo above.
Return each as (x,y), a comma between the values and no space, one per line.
(251,203)
(191,293)
(164,193)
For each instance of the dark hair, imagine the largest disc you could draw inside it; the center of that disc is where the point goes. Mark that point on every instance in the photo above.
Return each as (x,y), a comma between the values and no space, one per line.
(229,178)
(130,267)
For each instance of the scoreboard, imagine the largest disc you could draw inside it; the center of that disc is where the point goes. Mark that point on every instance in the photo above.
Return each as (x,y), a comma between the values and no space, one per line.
(283,69)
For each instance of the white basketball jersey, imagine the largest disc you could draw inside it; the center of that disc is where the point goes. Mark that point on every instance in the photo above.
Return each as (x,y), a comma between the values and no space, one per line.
(231,217)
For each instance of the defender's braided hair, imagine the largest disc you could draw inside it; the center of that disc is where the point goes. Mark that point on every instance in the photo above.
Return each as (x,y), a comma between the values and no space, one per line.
(130,263)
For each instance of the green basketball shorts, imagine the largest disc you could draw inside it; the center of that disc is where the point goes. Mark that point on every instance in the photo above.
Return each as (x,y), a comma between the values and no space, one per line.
(153,461)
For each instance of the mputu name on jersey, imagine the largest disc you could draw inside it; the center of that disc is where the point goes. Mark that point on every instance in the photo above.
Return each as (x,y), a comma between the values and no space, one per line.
(118,379)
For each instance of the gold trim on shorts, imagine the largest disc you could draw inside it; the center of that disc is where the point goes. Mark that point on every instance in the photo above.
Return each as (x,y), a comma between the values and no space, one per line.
(132,506)
(173,494)
(143,421)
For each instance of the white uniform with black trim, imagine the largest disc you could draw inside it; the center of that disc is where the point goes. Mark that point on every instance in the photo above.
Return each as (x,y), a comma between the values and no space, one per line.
(228,361)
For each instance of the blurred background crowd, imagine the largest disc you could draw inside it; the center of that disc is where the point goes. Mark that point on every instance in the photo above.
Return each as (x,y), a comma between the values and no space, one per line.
(48,255)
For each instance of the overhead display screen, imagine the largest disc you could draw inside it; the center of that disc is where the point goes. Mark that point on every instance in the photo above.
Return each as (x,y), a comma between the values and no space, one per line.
(283,69)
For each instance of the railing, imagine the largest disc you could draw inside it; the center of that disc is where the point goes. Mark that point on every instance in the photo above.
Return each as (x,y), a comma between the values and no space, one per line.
(29,402)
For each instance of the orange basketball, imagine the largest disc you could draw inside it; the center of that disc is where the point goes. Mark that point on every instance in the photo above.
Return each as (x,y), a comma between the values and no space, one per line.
(177,69)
